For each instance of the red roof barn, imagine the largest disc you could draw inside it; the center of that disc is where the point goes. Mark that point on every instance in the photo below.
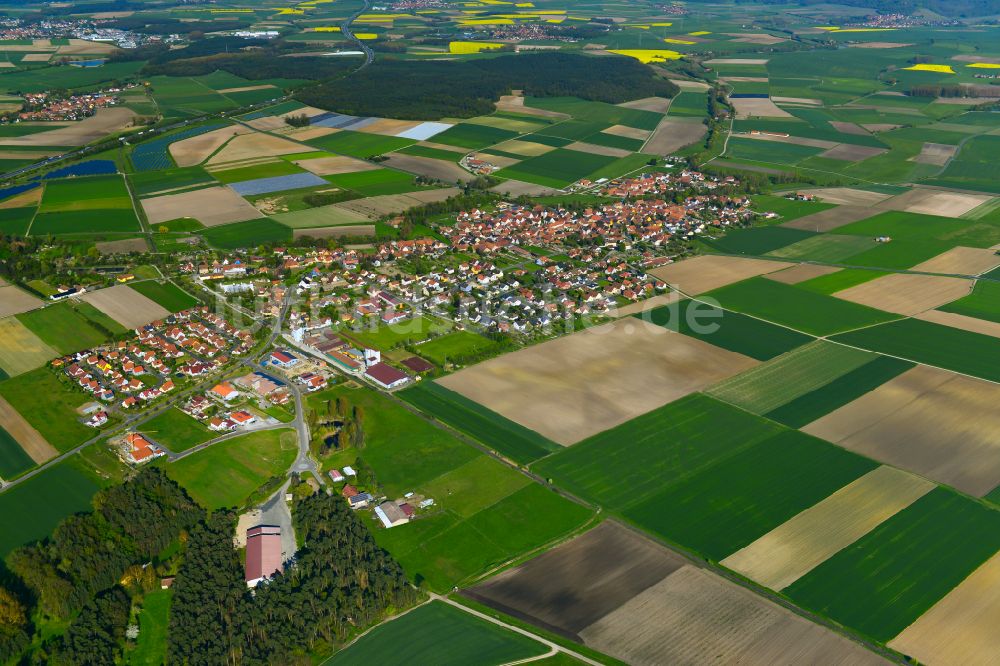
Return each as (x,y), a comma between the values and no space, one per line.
(263,553)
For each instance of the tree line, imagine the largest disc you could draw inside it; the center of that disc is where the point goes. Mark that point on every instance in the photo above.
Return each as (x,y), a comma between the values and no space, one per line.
(410,89)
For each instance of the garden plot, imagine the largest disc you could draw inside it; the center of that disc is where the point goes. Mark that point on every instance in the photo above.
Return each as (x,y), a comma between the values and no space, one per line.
(335,232)
(250,146)
(126,306)
(931,421)
(801,273)
(122,246)
(937,154)
(906,293)
(672,134)
(14,300)
(701,274)
(694,617)
(25,435)
(334,165)
(796,547)
(20,349)
(517,188)
(830,219)
(935,202)
(196,149)
(581,384)
(211,206)
(570,587)
(961,628)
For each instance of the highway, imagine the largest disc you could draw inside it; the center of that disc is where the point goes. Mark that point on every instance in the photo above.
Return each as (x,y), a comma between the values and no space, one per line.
(345,30)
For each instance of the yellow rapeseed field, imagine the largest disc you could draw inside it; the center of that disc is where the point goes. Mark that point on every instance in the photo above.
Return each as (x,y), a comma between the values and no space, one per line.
(649,55)
(927,67)
(471,47)
(671,40)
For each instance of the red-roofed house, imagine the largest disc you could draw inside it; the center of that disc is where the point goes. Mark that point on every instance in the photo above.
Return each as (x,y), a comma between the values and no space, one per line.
(386,376)
(141,450)
(225,391)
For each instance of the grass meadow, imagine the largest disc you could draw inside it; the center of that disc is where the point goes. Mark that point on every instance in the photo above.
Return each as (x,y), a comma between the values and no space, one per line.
(32,509)
(166,294)
(55,416)
(176,430)
(437,633)
(13,460)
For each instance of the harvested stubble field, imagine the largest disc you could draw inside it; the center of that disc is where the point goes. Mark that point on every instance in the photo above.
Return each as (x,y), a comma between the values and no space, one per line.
(937,154)
(698,275)
(20,349)
(846,196)
(935,202)
(961,322)
(801,273)
(578,385)
(97,126)
(907,293)
(693,617)
(388,204)
(14,300)
(928,420)
(962,261)
(672,134)
(249,146)
(211,206)
(196,149)
(787,377)
(442,170)
(333,165)
(828,220)
(890,577)
(567,589)
(961,628)
(126,306)
(122,246)
(796,547)
(30,440)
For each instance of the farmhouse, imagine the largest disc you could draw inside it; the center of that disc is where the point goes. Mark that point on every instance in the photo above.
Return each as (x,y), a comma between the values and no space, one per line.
(263,553)
(392,514)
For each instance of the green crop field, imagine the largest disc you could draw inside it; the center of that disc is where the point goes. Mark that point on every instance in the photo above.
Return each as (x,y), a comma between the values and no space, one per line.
(15,221)
(654,450)
(800,309)
(557,168)
(55,416)
(845,278)
(247,234)
(810,406)
(788,209)
(227,473)
(723,507)
(730,330)
(176,430)
(151,646)
(497,432)
(89,193)
(432,153)
(485,513)
(454,346)
(933,344)
(769,151)
(884,581)
(473,137)
(32,509)
(375,182)
(440,634)
(69,327)
(597,111)
(824,248)
(166,294)
(13,460)
(149,182)
(266,170)
(787,377)
(689,103)
(359,144)
(85,222)
(982,303)
(757,240)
